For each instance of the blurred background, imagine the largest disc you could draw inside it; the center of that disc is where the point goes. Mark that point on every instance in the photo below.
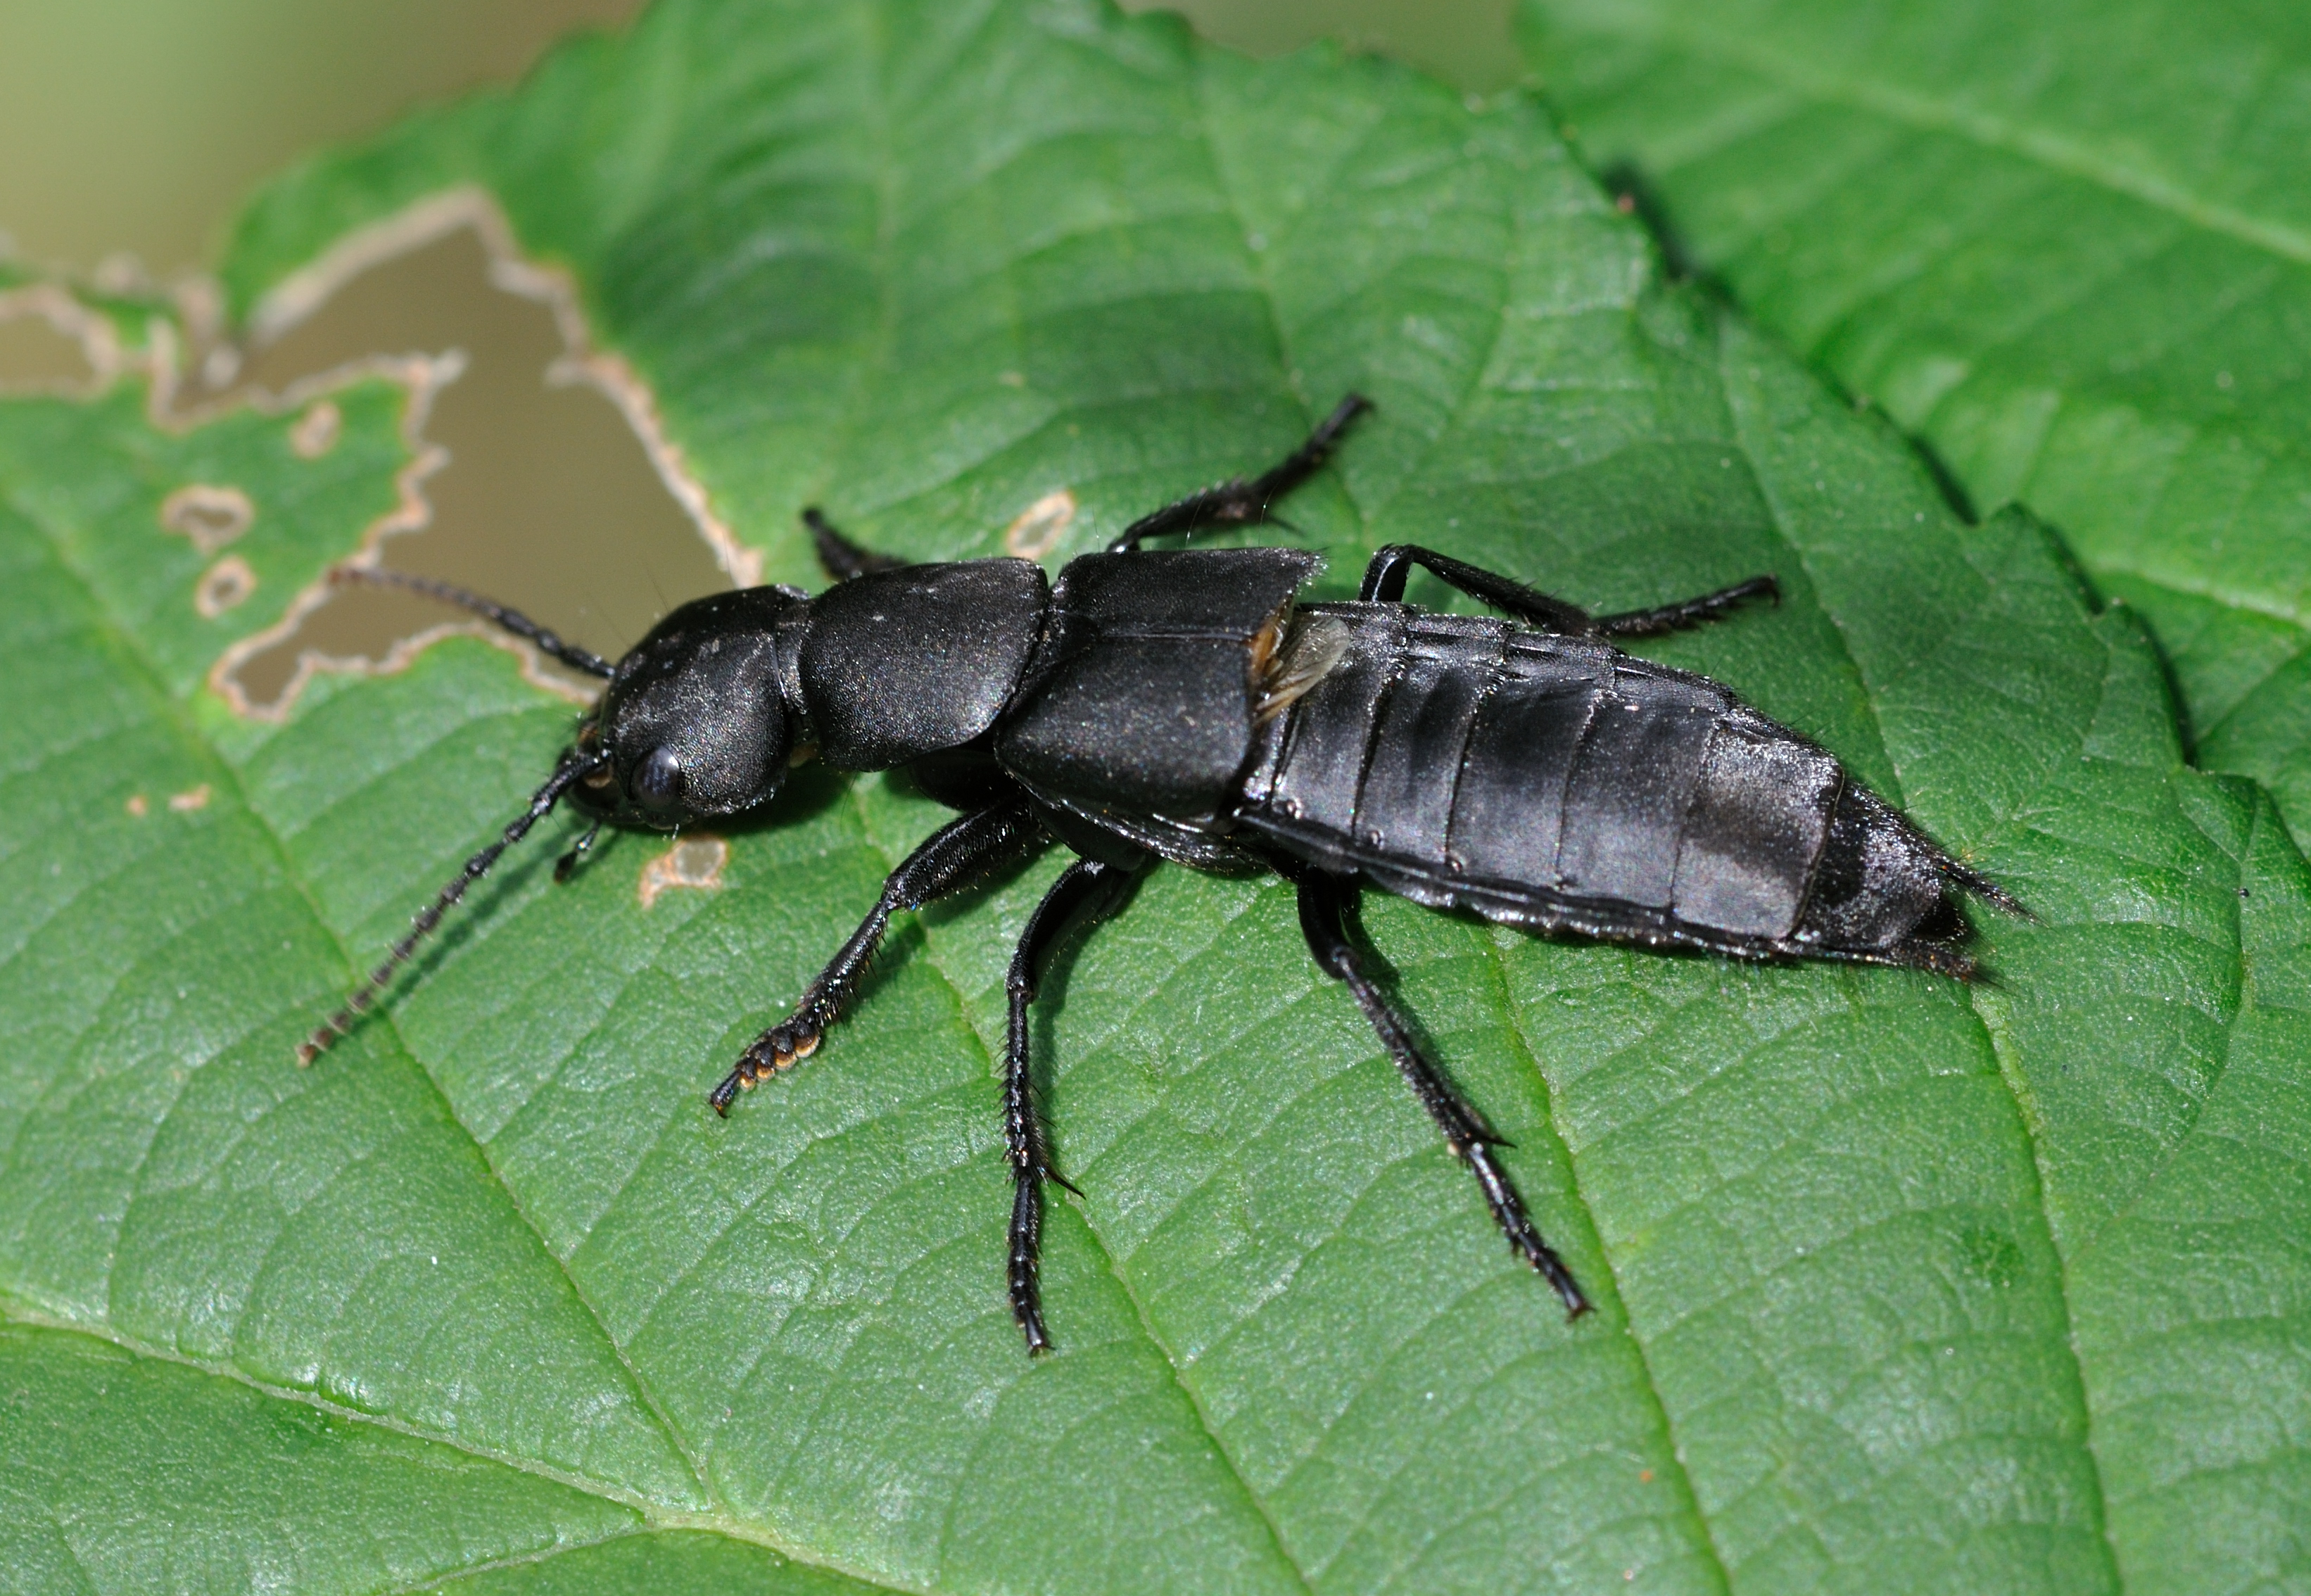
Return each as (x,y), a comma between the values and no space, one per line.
(133,127)
(131,130)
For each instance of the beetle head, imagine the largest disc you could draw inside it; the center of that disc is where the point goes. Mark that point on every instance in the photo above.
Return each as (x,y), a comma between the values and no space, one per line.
(693,721)
(693,725)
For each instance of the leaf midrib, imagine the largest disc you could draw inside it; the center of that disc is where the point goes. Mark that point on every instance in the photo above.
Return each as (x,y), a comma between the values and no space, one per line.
(1261,274)
(1497,963)
(2023,1118)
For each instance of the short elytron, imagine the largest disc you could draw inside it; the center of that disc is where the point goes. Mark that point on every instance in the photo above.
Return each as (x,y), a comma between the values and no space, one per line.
(1180,705)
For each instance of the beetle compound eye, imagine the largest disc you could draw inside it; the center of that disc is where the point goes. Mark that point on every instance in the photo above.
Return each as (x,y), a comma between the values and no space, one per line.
(659,781)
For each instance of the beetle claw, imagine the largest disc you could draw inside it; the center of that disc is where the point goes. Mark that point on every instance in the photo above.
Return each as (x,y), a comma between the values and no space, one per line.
(719,1099)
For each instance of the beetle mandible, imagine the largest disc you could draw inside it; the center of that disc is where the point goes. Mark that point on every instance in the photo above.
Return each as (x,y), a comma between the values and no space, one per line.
(1180,705)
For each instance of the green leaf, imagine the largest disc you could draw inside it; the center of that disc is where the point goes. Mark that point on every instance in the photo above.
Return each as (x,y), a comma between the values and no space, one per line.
(2067,244)
(1901,1286)
(126,1473)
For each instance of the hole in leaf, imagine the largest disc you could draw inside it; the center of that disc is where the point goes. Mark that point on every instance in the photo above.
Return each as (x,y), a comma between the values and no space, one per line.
(540,483)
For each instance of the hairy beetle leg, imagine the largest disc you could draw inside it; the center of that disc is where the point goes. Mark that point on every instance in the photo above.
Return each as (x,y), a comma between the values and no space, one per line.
(951,858)
(1385,574)
(1087,884)
(1242,501)
(1323,903)
(1688,612)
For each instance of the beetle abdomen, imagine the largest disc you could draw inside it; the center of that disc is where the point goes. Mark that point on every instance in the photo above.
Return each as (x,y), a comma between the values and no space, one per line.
(1556,783)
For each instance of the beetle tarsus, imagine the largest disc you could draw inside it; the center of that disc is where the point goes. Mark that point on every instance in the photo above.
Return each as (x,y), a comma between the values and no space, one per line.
(1524,1239)
(1385,574)
(953,857)
(1688,612)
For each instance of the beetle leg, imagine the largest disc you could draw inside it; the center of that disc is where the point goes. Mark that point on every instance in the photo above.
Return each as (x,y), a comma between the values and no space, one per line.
(839,557)
(1239,501)
(1086,882)
(953,857)
(1384,583)
(1384,578)
(1322,907)
(1691,612)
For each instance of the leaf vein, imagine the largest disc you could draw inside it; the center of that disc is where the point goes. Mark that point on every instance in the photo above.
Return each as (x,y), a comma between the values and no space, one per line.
(2058,152)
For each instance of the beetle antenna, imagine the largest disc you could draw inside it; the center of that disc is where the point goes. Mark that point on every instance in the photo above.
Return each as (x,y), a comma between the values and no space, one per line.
(511,620)
(571,770)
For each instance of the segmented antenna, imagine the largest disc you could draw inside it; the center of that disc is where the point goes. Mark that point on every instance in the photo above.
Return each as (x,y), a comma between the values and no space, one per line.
(512,620)
(573,770)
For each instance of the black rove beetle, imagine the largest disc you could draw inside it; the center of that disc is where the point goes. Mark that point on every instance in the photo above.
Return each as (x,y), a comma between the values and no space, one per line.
(1178,705)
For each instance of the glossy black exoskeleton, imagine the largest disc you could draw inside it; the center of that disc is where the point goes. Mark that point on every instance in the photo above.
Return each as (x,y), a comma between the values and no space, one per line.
(1180,705)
